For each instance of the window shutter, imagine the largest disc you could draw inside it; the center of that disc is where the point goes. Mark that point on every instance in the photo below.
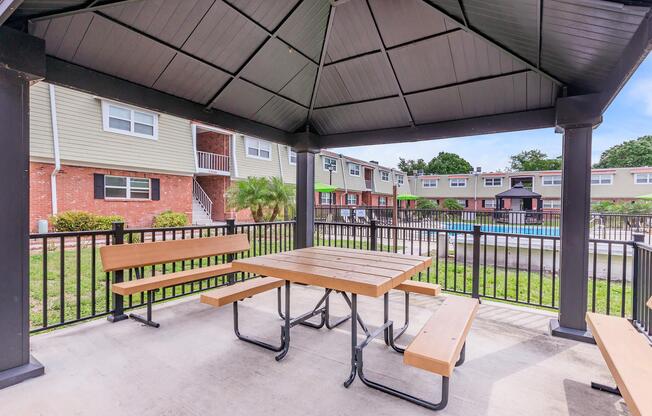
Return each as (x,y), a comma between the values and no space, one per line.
(98,185)
(156,189)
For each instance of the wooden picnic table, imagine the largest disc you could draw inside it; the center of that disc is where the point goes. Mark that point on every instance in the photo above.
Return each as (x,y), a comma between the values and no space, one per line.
(353,271)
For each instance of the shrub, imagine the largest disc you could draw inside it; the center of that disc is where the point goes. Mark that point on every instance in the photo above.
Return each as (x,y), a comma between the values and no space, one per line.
(83,221)
(168,219)
(452,205)
(425,203)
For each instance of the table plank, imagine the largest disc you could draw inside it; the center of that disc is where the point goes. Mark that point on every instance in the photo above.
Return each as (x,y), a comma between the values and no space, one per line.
(401,267)
(339,265)
(390,257)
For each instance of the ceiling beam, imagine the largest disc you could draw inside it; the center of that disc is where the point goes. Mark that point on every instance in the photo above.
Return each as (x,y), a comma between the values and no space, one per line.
(322,58)
(524,120)
(89,6)
(7,8)
(493,42)
(270,35)
(22,53)
(388,61)
(83,79)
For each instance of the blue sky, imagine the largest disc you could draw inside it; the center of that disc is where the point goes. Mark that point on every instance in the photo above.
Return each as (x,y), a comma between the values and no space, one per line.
(628,117)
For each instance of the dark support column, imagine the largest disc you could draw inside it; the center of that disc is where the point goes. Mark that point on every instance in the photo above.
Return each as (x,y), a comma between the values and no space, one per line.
(574,257)
(16,364)
(305,198)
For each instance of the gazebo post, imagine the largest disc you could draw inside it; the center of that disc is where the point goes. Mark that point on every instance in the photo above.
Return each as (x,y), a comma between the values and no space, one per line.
(305,181)
(574,241)
(22,59)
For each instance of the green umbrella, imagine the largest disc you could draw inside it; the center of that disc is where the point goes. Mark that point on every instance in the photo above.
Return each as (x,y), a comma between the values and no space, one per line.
(647,197)
(407,197)
(321,187)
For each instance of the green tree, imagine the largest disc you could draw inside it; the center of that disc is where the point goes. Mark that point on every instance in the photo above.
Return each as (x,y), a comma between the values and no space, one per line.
(629,154)
(534,160)
(409,165)
(253,193)
(452,205)
(448,163)
(281,195)
(425,203)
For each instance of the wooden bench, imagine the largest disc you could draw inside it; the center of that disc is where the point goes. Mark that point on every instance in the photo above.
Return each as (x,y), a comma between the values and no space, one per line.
(628,355)
(137,256)
(438,348)
(410,286)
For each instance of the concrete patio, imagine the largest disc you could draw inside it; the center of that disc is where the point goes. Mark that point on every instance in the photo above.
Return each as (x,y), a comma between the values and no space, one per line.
(194,365)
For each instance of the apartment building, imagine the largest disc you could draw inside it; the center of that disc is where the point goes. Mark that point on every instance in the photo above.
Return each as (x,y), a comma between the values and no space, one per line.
(478,191)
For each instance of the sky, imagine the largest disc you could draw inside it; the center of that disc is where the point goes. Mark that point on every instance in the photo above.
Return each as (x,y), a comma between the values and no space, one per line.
(628,117)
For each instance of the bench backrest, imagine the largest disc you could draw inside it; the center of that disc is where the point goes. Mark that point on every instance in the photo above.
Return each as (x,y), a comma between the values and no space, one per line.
(649,302)
(127,256)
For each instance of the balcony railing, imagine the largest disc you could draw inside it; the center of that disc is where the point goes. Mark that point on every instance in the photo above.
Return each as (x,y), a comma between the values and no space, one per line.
(369,184)
(212,161)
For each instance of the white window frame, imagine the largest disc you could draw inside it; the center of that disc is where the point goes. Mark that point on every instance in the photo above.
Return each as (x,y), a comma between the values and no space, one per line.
(325,201)
(647,176)
(600,177)
(384,201)
(127,187)
(384,175)
(351,195)
(352,165)
(492,203)
(551,204)
(462,202)
(493,182)
(106,104)
(429,183)
(258,144)
(292,152)
(400,180)
(327,158)
(451,181)
(553,181)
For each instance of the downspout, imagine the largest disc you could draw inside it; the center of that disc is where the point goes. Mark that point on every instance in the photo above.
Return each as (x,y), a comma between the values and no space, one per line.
(55,145)
(346,188)
(233,158)
(280,162)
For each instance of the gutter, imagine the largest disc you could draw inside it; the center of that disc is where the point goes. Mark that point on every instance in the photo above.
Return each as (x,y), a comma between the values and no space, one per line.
(55,145)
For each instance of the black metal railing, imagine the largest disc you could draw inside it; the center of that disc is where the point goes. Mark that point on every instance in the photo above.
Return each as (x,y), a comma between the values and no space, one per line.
(642,314)
(68,284)
(509,267)
(615,227)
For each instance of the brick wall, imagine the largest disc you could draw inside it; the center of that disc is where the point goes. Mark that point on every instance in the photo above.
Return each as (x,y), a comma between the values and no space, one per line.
(75,193)
(216,187)
(213,142)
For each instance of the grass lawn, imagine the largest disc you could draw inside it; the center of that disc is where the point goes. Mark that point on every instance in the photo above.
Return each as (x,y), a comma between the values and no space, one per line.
(84,289)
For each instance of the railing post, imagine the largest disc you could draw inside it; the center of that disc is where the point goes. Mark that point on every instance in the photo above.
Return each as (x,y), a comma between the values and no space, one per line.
(372,235)
(230,230)
(638,238)
(118,313)
(475,284)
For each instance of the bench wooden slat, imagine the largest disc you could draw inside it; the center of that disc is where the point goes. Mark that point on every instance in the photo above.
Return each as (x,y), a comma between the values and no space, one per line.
(127,256)
(424,288)
(170,279)
(629,358)
(233,293)
(649,302)
(438,345)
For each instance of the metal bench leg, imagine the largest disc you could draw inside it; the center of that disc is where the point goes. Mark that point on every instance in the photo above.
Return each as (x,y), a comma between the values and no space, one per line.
(462,358)
(607,389)
(337,323)
(254,341)
(397,393)
(406,324)
(148,320)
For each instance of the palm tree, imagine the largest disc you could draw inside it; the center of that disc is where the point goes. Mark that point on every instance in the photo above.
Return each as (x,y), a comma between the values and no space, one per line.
(253,193)
(281,196)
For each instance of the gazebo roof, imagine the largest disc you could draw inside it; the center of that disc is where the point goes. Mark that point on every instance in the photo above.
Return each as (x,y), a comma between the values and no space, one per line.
(350,72)
(518,191)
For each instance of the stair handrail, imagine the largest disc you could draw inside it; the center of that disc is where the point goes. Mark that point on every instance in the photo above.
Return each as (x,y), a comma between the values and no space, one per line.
(202,197)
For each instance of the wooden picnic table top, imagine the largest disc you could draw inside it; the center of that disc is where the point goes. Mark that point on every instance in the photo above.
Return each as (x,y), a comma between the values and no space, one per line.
(369,273)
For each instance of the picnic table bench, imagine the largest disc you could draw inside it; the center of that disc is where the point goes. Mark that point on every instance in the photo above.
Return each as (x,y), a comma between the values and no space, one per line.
(628,355)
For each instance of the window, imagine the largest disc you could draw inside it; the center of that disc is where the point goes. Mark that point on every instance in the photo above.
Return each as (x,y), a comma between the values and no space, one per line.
(292,156)
(351,199)
(462,202)
(122,119)
(382,201)
(125,187)
(384,176)
(551,180)
(602,179)
(354,169)
(489,203)
(429,183)
(643,178)
(258,149)
(325,198)
(493,182)
(330,164)
(457,183)
(551,204)
(399,180)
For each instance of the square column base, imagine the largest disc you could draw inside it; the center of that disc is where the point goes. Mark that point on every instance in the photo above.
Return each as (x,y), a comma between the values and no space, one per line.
(570,333)
(21,373)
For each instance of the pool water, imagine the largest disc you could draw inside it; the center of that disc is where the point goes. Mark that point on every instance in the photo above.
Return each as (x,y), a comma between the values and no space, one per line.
(506,228)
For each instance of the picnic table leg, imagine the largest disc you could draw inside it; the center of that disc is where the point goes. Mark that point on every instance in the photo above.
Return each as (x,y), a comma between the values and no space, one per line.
(328,316)
(354,339)
(286,325)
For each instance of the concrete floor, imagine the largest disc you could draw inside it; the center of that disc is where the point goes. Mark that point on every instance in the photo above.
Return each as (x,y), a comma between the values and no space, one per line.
(194,365)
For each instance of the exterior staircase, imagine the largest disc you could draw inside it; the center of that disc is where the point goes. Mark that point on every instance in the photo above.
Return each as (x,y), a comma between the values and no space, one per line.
(202,205)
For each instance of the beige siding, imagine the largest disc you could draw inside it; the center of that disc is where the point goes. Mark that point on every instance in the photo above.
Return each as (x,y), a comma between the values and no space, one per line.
(249,166)
(40,123)
(380,186)
(83,140)
(289,170)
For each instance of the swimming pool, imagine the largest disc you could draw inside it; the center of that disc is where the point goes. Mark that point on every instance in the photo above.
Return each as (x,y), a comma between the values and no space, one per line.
(536,230)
